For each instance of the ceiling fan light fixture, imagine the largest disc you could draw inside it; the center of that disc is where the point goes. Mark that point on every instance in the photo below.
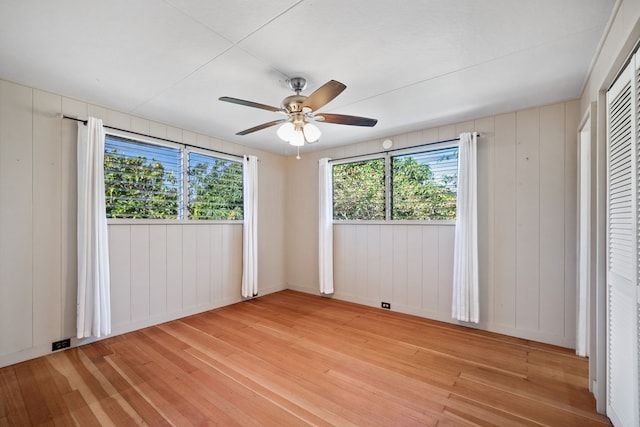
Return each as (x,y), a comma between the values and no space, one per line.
(311,132)
(298,139)
(286,131)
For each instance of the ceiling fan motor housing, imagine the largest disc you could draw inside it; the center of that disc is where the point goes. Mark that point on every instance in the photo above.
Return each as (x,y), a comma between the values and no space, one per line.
(293,103)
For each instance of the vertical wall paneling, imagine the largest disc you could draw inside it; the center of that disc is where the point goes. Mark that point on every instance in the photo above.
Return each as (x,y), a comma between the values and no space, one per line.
(374,261)
(235,266)
(47,207)
(271,229)
(386,267)
(116,119)
(140,125)
(120,273)
(158,270)
(400,263)
(189,267)
(203,141)
(203,258)
(140,275)
(486,167)
(16,209)
(504,220)
(339,268)
(174,134)
(552,214)
(572,120)
(349,251)
(189,137)
(226,261)
(232,261)
(158,130)
(360,256)
(174,268)
(430,262)
(414,268)
(362,261)
(445,270)
(215,263)
(528,219)
(446,132)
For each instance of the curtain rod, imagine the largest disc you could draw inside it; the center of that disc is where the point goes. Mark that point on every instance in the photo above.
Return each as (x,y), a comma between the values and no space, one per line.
(156,137)
(400,149)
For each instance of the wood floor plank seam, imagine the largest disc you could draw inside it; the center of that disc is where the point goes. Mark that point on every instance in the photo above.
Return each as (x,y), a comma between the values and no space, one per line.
(537,398)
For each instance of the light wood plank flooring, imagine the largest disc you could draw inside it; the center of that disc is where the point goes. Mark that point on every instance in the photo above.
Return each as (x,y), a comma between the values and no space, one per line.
(291,359)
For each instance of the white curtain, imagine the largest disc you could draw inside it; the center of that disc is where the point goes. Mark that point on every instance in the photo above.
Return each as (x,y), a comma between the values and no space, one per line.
(250,228)
(465,304)
(94,296)
(325,229)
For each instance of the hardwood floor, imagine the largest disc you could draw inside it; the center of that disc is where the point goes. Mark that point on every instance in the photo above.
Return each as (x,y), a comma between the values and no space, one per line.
(296,359)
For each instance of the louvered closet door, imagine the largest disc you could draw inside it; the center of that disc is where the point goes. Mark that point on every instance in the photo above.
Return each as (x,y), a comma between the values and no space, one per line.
(622,249)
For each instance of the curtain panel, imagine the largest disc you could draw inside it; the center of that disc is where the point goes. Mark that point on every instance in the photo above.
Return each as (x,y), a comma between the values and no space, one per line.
(94,294)
(250,228)
(465,303)
(325,227)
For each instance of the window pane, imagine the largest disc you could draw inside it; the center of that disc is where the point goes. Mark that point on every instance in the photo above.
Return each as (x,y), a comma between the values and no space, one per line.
(358,190)
(424,185)
(215,188)
(141,180)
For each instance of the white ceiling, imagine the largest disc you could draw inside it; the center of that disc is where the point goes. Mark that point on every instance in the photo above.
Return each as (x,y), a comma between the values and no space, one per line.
(411,64)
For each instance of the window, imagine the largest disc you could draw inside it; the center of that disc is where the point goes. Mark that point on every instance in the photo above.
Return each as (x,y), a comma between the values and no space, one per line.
(358,190)
(141,180)
(424,185)
(421,186)
(215,188)
(145,181)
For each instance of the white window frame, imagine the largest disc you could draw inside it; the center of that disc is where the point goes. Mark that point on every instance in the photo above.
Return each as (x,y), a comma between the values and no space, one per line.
(183,211)
(388,184)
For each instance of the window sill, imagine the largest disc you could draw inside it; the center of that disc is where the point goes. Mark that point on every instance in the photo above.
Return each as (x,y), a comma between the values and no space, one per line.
(145,221)
(394,222)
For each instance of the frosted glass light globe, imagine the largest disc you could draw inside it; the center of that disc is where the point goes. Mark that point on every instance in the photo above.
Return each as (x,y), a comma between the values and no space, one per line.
(286,131)
(311,132)
(298,139)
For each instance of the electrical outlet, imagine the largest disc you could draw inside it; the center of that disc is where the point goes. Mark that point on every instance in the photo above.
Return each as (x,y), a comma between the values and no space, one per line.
(59,345)
(386,305)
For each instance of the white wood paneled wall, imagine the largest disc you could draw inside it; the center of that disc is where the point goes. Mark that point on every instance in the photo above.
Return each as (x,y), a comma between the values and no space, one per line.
(527,237)
(159,270)
(406,265)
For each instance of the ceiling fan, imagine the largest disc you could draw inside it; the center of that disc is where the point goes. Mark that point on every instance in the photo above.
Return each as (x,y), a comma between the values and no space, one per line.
(301,111)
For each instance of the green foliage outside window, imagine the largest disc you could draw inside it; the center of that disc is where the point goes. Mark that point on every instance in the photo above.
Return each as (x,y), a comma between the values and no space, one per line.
(423,187)
(215,188)
(418,193)
(137,187)
(358,190)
